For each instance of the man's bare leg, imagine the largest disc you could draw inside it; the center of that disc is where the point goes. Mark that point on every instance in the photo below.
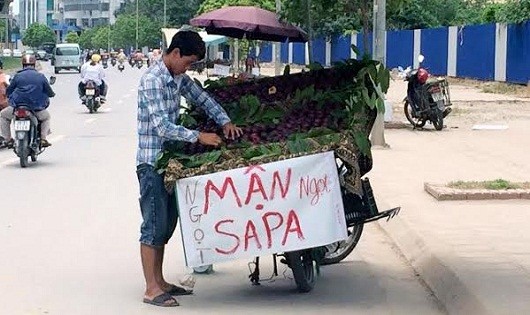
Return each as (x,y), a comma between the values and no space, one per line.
(152,258)
(159,275)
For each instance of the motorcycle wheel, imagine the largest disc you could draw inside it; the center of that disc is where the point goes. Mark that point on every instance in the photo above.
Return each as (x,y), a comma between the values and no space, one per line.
(438,121)
(416,123)
(22,150)
(90,105)
(303,267)
(337,251)
(33,157)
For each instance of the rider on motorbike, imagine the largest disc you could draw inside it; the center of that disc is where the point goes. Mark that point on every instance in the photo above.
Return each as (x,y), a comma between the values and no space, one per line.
(93,71)
(121,56)
(29,88)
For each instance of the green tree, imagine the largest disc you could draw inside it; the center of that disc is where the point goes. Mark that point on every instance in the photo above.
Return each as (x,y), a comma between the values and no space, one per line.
(101,38)
(177,12)
(514,11)
(37,34)
(85,40)
(123,33)
(72,37)
(210,5)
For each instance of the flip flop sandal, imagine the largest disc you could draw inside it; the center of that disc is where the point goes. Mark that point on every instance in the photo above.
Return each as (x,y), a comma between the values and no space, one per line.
(177,291)
(161,300)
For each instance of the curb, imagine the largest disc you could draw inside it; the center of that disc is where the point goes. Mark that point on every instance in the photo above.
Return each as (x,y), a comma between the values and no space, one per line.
(443,193)
(430,260)
(397,125)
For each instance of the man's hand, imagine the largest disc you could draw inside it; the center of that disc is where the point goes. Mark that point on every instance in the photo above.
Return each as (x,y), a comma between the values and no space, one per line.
(231,131)
(209,139)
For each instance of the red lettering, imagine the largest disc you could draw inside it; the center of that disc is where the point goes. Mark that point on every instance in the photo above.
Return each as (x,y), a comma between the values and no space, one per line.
(251,228)
(268,228)
(283,189)
(314,187)
(293,219)
(237,240)
(255,180)
(221,193)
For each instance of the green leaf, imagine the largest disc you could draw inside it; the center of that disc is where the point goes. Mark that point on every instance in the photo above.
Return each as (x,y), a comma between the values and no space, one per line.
(363,143)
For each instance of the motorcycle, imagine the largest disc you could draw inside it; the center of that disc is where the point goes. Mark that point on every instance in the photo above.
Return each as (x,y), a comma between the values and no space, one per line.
(92,94)
(427,98)
(113,62)
(139,63)
(121,67)
(27,133)
(105,63)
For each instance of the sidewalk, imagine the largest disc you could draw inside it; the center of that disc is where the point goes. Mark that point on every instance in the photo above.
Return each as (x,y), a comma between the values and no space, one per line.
(474,255)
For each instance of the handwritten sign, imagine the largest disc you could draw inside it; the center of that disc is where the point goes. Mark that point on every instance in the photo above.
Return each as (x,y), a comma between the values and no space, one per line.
(262,209)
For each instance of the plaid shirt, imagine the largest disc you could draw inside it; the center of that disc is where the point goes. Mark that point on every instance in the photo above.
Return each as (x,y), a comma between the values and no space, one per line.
(158,110)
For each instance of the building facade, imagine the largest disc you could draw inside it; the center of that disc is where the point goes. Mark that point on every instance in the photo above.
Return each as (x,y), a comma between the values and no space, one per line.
(36,11)
(89,13)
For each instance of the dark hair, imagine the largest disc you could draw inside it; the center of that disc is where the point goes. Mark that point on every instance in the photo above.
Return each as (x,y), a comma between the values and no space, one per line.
(189,43)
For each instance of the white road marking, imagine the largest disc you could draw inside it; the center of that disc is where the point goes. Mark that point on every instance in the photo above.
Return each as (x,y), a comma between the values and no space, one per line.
(90,120)
(106,110)
(133,90)
(127,95)
(53,140)
(120,101)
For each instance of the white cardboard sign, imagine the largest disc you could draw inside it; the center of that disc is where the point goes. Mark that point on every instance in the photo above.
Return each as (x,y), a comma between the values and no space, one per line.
(262,209)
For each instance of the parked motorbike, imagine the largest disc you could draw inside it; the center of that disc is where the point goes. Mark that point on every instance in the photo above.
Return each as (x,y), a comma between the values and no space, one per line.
(427,98)
(113,62)
(93,99)
(27,133)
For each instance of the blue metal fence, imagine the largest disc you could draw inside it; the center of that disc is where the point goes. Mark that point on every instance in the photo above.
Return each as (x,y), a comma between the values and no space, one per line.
(476,51)
(400,49)
(518,54)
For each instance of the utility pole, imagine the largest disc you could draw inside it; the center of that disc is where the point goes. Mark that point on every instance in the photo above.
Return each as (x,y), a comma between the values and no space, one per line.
(379,42)
(277,56)
(165,8)
(136,24)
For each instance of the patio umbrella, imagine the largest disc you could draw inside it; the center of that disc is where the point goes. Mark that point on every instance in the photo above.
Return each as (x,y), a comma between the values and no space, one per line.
(249,22)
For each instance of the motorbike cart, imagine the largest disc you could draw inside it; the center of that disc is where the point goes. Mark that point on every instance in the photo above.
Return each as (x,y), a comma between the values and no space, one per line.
(302,104)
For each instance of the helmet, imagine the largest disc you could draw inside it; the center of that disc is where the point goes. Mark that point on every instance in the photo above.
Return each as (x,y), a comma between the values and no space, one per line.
(95,58)
(422,75)
(28,60)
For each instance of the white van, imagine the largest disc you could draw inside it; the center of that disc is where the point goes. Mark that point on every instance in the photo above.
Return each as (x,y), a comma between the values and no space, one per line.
(67,57)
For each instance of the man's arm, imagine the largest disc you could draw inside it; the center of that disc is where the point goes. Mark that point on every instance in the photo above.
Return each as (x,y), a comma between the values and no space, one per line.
(151,96)
(194,93)
(12,86)
(47,87)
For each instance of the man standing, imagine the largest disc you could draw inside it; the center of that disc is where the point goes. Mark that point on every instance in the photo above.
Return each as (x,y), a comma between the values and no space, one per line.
(159,95)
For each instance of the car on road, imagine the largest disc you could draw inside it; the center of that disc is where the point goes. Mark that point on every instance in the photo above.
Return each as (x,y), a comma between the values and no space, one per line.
(29,52)
(6,52)
(67,57)
(41,55)
(17,53)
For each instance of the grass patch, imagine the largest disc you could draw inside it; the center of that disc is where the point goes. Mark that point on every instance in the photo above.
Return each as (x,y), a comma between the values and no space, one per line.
(498,184)
(11,63)
(501,88)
